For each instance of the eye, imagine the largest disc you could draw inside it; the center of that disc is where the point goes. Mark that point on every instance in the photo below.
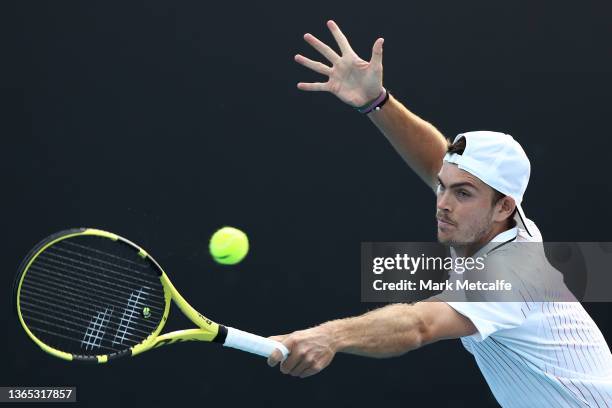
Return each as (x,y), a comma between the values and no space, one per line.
(463,193)
(439,187)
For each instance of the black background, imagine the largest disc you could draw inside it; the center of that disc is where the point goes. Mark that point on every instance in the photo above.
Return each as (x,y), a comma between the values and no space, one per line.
(162,121)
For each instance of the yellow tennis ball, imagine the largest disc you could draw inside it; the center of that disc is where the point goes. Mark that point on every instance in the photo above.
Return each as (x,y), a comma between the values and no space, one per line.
(229,245)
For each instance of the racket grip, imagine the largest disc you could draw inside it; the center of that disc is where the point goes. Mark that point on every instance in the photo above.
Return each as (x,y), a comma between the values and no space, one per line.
(253,343)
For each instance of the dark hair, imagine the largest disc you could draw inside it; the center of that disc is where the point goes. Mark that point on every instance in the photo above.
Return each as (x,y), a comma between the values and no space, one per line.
(459,147)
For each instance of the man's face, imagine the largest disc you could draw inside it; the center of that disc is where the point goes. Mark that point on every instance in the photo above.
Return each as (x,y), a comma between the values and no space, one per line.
(464,207)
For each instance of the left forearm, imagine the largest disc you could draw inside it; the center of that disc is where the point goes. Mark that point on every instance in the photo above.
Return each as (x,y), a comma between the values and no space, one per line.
(385,332)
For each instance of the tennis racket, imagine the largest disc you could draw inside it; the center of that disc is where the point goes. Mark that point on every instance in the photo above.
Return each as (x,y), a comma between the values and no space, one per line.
(90,295)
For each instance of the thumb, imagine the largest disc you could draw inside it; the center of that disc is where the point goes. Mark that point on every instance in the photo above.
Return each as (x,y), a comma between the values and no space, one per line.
(276,356)
(377,51)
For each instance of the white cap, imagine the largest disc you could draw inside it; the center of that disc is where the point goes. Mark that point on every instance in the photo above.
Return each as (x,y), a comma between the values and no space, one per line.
(499,161)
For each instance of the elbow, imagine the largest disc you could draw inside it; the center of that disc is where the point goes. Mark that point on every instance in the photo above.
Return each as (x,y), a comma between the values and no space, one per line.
(412,333)
(421,333)
(411,338)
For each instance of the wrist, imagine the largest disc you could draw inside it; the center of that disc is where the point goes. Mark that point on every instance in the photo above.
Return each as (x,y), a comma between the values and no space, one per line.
(370,98)
(336,331)
(374,104)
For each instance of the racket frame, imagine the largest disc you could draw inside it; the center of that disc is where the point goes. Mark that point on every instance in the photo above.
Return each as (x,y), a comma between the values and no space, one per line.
(207,330)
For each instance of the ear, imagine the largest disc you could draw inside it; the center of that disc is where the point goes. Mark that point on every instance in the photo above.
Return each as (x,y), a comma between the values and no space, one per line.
(504,209)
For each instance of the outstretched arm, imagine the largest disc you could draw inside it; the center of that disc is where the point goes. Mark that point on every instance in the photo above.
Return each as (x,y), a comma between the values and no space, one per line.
(386,332)
(419,143)
(357,82)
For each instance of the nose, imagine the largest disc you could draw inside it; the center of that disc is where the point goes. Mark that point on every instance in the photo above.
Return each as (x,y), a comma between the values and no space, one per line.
(443,202)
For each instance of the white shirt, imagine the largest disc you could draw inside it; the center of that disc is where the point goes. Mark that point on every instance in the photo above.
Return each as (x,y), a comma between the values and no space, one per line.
(538,354)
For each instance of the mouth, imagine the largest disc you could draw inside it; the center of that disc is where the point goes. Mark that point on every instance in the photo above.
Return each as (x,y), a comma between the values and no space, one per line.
(443,223)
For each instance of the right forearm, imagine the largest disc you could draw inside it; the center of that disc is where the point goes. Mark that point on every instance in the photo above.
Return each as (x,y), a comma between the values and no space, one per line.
(386,332)
(419,143)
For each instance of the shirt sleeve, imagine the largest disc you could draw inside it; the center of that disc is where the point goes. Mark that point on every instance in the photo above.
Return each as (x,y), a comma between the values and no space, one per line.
(493,311)
(490,317)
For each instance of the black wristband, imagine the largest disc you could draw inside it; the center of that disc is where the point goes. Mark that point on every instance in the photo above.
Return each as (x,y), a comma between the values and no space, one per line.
(376,104)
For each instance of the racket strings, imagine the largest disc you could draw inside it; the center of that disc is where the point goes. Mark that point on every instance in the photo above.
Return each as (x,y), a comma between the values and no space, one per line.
(65,337)
(88,339)
(76,295)
(131,271)
(67,314)
(83,294)
(85,267)
(67,310)
(78,330)
(98,251)
(87,283)
(89,295)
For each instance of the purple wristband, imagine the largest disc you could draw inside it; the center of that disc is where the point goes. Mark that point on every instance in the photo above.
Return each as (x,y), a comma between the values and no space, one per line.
(370,107)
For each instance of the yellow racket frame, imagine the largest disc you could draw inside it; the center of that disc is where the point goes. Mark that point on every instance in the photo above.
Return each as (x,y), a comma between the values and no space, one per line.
(207,329)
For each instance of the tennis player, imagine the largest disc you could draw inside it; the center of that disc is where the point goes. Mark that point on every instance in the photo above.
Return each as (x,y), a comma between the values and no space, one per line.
(532,353)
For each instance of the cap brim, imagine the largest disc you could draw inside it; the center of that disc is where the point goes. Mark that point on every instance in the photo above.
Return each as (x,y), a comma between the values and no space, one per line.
(521,219)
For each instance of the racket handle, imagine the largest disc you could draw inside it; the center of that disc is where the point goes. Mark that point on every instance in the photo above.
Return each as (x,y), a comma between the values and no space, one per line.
(253,343)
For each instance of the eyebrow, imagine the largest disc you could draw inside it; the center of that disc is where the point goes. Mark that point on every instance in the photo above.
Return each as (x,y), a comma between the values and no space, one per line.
(457,185)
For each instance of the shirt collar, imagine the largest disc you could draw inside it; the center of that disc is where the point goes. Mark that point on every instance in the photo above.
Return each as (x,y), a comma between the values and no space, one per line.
(506,235)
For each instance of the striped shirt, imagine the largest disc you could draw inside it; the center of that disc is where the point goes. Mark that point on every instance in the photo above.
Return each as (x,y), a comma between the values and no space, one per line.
(538,354)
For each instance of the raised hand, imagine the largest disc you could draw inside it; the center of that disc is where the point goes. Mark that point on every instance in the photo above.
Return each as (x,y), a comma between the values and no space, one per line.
(353,80)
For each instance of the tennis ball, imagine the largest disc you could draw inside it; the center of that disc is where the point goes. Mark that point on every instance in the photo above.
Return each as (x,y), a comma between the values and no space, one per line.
(229,245)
